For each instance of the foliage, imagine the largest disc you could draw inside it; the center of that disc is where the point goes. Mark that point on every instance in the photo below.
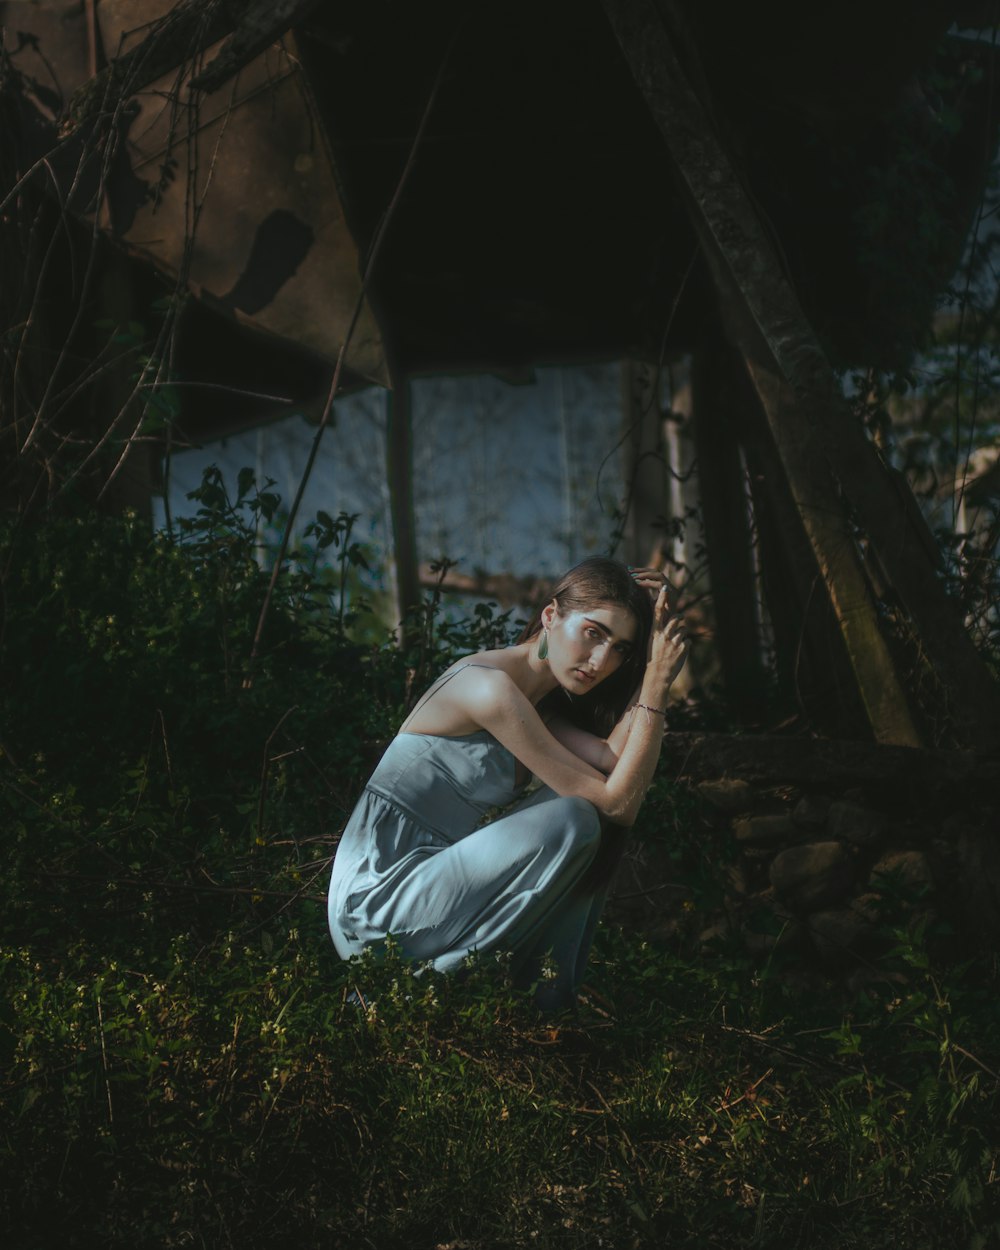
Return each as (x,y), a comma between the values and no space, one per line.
(184,1065)
(229,1093)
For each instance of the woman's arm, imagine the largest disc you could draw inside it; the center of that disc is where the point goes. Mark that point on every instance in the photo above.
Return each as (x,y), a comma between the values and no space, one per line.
(495,702)
(599,753)
(603,753)
(590,748)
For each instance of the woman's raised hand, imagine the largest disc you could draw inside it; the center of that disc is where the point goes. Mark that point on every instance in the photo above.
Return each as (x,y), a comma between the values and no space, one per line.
(668,626)
(650,579)
(667,641)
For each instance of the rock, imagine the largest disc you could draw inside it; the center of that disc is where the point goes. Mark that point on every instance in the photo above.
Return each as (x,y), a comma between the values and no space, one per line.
(813,876)
(954,826)
(868,906)
(840,934)
(764,831)
(714,934)
(866,974)
(909,868)
(810,811)
(757,854)
(769,926)
(855,823)
(787,936)
(737,878)
(729,796)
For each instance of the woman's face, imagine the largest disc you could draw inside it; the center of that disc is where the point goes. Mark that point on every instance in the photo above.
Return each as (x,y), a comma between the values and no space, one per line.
(587,647)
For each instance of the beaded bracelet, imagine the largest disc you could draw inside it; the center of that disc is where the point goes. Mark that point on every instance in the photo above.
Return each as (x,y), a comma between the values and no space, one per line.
(659,711)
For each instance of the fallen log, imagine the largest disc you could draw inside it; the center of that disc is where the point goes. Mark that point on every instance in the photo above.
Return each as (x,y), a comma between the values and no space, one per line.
(826,762)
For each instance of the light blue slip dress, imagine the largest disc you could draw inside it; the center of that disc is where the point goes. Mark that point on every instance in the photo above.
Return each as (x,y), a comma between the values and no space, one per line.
(416,861)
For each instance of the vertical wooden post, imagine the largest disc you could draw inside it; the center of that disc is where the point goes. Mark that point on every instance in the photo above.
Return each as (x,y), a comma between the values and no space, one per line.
(722,490)
(399,474)
(646,495)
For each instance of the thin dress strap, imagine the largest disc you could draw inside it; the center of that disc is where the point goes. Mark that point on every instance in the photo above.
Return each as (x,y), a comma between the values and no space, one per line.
(435,686)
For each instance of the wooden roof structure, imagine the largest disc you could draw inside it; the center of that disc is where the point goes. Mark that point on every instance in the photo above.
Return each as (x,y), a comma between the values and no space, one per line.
(541,220)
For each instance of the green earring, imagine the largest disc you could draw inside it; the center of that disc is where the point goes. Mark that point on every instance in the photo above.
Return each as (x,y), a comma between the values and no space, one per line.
(543,646)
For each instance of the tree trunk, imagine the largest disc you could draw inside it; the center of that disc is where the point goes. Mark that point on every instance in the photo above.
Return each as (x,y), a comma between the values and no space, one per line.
(824,450)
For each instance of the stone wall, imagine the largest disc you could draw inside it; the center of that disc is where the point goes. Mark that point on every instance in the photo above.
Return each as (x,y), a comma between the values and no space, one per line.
(821,875)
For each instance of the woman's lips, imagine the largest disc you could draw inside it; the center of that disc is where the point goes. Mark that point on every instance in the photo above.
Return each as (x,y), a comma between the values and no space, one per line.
(587,677)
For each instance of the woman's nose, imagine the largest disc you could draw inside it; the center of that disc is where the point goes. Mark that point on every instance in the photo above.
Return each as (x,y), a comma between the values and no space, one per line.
(599,656)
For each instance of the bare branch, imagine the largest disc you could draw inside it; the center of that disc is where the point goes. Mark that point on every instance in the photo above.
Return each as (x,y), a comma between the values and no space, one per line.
(264,24)
(179,35)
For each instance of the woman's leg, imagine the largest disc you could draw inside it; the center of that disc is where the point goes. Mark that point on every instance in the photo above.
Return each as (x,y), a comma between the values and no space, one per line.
(558,960)
(495,890)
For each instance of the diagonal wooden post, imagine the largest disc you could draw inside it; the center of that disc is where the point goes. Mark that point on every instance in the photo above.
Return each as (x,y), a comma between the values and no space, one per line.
(831,465)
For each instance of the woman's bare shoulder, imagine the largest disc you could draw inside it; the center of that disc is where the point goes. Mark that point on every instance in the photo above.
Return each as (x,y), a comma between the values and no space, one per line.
(471,689)
(503,660)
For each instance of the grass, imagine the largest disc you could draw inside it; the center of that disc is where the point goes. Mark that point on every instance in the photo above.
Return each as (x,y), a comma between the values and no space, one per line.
(228,1093)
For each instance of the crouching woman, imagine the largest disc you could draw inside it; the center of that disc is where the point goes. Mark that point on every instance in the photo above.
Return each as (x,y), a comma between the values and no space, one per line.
(579,703)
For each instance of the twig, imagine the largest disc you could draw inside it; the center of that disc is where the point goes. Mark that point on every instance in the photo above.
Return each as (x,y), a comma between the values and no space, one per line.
(791,1054)
(166,749)
(747,1093)
(193,207)
(104,1063)
(174,383)
(621,1127)
(978,1062)
(264,768)
(256,891)
(665,885)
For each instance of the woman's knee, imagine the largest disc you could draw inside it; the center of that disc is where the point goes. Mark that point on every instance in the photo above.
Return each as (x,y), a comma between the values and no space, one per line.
(581,820)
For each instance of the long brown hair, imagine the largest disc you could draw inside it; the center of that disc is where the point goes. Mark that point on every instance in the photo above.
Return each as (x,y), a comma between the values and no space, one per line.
(598,582)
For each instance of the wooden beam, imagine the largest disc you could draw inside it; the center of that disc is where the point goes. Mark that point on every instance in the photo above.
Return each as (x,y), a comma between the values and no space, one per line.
(180,35)
(828,763)
(399,475)
(260,25)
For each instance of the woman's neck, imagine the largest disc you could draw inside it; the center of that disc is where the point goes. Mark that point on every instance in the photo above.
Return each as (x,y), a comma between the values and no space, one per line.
(532,674)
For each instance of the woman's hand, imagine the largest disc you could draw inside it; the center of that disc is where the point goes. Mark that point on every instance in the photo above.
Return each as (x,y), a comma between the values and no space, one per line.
(650,579)
(658,586)
(667,640)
